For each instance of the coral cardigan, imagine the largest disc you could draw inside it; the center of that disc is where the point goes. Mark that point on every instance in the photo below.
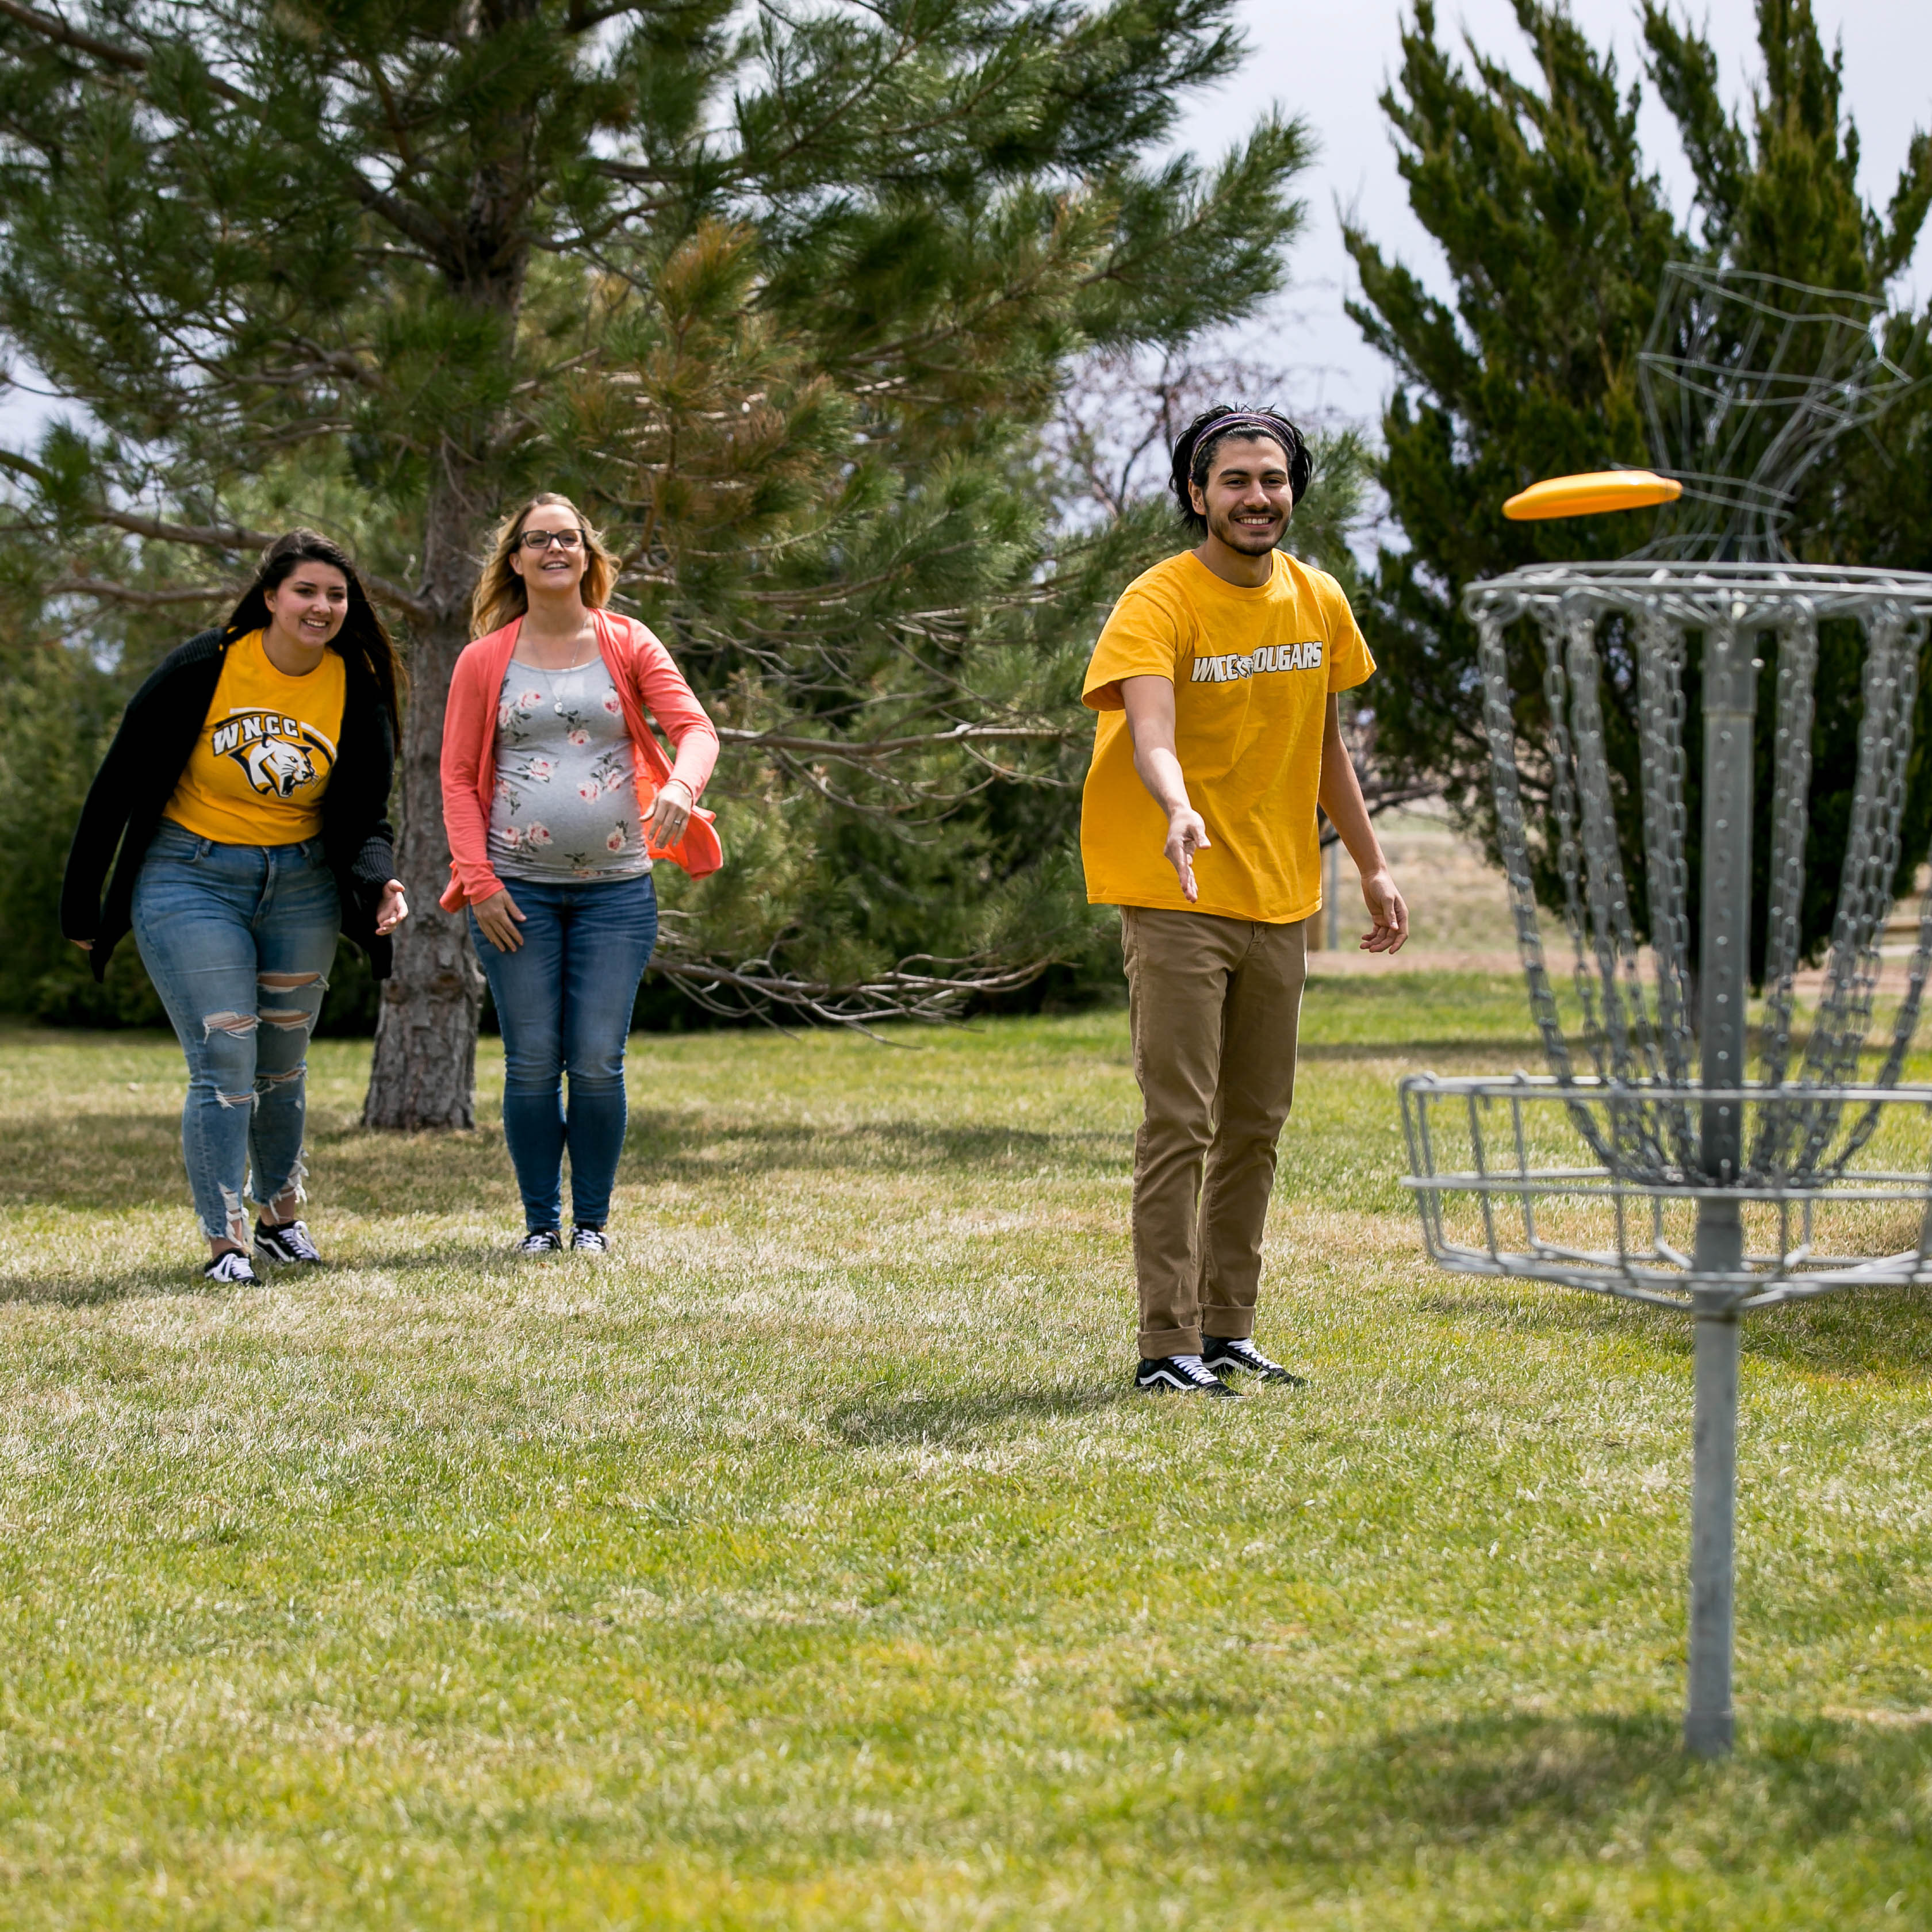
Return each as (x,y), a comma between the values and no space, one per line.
(646,678)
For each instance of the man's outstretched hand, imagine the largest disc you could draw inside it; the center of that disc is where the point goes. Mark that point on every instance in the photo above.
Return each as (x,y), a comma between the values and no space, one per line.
(1187,834)
(1388,910)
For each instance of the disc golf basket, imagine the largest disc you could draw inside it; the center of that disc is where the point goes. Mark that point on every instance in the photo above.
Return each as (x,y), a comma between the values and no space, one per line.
(1666,1156)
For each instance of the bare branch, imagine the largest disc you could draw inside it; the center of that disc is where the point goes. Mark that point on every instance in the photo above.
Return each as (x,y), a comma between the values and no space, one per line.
(25,466)
(121,593)
(62,35)
(208,536)
(234,536)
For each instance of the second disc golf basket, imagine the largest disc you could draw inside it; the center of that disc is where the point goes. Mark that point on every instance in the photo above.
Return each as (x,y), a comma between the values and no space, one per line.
(1668,1155)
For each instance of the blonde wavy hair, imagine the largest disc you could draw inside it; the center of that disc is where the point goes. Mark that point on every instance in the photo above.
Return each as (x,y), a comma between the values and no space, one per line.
(500,596)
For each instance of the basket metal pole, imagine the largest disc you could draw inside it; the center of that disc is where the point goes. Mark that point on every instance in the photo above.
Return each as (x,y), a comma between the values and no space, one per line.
(1708,1727)
(1730,690)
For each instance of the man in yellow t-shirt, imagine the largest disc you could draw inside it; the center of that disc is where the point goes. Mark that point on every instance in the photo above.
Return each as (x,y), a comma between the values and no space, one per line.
(1215,679)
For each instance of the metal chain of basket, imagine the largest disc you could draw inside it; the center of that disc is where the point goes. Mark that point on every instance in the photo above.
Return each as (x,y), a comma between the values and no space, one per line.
(1641,1039)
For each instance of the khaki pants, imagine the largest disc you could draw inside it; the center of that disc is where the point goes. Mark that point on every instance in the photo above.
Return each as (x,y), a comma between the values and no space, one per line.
(1214,1005)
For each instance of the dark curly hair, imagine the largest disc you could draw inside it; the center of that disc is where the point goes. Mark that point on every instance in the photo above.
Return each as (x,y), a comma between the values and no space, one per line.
(1194,453)
(363,634)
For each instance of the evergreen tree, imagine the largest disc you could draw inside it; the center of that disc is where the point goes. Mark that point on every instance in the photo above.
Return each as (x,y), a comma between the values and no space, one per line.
(783,295)
(1556,233)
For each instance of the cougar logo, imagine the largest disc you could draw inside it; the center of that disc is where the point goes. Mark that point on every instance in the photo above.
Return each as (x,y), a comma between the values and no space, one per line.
(277,766)
(281,755)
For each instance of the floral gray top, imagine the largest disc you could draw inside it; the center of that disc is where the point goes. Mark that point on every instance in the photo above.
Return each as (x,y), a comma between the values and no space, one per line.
(566,805)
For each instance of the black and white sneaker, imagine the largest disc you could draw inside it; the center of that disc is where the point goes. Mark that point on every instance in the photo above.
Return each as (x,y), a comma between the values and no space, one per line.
(1240,1356)
(1178,1375)
(231,1269)
(288,1242)
(542,1241)
(590,1241)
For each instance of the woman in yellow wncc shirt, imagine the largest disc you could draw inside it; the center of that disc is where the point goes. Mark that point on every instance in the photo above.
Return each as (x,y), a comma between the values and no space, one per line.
(246,790)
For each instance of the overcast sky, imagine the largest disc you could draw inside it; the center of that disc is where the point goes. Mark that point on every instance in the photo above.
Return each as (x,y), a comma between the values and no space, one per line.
(1329,61)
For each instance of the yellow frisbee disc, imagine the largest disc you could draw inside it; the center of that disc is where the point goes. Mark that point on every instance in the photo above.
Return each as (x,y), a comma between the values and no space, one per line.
(1590,496)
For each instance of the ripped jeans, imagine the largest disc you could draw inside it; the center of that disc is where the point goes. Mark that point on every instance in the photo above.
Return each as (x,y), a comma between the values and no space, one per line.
(239,940)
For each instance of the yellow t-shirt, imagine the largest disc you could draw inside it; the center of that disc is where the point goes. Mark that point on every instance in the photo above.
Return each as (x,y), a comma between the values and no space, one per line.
(1251,671)
(262,762)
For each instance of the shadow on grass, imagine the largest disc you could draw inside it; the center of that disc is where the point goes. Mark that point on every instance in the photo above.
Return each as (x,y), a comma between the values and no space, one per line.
(1882,1334)
(1534,1309)
(1503,1055)
(97,1162)
(1566,1785)
(1491,1771)
(674,1146)
(875,1421)
(186,1281)
(44,1290)
(134,1160)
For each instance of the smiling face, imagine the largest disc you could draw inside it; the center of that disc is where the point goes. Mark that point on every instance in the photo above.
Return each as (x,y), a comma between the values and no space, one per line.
(553,568)
(1247,500)
(309,603)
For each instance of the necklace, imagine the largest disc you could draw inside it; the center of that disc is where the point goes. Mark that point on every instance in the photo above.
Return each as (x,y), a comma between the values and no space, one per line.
(557,689)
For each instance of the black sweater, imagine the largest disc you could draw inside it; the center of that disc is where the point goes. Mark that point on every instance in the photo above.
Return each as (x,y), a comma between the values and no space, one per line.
(144,763)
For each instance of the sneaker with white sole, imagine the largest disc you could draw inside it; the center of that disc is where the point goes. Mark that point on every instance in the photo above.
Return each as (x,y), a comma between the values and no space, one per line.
(589,1241)
(1240,1356)
(231,1269)
(540,1241)
(285,1241)
(1178,1375)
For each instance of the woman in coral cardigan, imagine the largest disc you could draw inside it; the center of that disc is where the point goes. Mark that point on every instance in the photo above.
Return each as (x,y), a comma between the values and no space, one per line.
(557,800)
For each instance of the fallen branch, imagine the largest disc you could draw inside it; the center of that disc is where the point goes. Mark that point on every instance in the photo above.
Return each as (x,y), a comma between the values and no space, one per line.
(1381,798)
(885,748)
(753,988)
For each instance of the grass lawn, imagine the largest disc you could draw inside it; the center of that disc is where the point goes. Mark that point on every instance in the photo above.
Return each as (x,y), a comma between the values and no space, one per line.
(809,1563)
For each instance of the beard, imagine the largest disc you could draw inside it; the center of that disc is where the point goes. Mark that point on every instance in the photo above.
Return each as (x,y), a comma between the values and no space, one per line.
(1249,540)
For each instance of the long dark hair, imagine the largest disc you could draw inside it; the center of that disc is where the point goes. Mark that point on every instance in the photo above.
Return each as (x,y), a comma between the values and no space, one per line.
(363,634)
(1194,453)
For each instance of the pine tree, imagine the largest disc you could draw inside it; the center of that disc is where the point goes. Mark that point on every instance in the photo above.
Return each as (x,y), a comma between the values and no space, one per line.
(783,294)
(1557,233)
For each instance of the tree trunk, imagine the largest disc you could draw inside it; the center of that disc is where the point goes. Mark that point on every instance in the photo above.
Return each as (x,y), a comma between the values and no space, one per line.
(425,1069)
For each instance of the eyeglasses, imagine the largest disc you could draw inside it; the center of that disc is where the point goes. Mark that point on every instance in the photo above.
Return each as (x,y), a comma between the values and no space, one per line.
(543,539)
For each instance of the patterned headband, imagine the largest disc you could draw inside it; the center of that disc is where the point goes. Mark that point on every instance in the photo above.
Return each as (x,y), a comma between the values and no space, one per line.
(1278,428)
(1275,426)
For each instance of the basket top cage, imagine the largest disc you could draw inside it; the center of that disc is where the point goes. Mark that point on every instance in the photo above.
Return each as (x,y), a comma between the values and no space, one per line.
(1748,382)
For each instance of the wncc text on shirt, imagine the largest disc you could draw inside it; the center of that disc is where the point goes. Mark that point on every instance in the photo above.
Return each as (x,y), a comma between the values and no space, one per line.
(1269,657)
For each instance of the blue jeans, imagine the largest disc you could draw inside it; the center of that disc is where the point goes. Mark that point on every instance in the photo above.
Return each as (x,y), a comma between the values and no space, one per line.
(238,940)
(563,1000)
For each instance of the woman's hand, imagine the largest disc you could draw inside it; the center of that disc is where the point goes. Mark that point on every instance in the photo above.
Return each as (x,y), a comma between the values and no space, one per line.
(498,917)
(391,909)
(669,815)
(85,945)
